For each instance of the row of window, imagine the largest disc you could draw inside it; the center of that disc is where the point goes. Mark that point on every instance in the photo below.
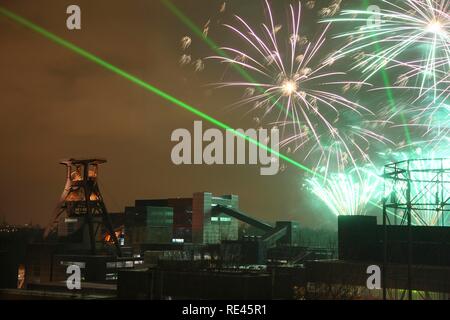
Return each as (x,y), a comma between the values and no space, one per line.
(222,219)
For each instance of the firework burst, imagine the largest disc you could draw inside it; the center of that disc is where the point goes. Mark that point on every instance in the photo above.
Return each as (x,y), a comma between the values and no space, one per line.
(294,86)
(412,36)
(348,193)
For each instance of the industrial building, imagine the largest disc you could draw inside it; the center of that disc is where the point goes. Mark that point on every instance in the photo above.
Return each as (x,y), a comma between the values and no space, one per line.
(182,220)
(424,272)
(195,248)
(13,250)
(195,235)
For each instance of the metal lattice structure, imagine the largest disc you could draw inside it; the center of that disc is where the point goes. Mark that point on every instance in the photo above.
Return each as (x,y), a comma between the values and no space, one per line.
(416,193)
(81,204)
(418,190)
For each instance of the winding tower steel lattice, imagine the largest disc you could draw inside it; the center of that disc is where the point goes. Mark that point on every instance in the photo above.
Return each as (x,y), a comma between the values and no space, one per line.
(82,201)
(416,193)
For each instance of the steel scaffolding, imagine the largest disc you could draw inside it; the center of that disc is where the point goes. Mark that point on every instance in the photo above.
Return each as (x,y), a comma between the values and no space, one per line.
(416,193)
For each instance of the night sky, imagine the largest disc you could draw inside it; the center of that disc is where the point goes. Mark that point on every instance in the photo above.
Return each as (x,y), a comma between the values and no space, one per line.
(56,105)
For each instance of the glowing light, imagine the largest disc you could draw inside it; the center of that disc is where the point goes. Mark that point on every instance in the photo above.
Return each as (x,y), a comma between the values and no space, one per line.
(289,87)
(348,193)
(413,35)
(297,89)
(435,27)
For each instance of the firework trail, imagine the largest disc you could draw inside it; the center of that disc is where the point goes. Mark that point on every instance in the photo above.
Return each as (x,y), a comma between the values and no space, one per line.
(296,88)
(333,155)
(185,59)
(199,65)
(223,7)
(185,42)
(429,122)
(331,10)
(434,121)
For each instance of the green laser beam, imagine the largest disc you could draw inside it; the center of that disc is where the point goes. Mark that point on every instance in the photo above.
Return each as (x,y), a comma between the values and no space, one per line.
(143,84)
(387,84)
(133,79)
